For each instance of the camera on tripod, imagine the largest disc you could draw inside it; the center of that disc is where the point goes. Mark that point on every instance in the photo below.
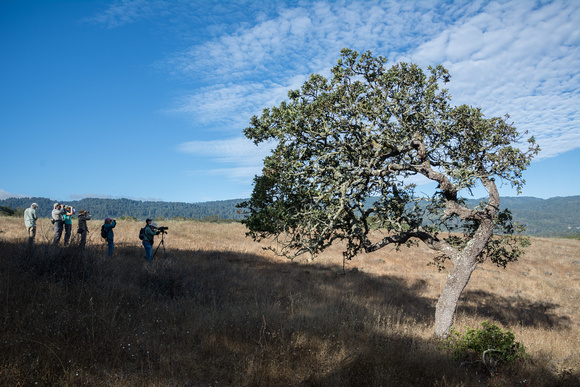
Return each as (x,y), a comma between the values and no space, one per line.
(162,229)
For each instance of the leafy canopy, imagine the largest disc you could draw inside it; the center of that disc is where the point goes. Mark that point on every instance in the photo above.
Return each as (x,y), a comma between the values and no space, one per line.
(362,134)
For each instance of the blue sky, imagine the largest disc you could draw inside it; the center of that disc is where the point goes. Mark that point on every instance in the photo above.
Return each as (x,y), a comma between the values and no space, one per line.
(147,100)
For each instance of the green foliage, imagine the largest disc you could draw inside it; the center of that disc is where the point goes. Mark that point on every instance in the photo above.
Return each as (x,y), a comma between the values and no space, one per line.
(216,219)
(7,211)
(573,236)
(507,246)
(359,135)
(490,345)
(128,218)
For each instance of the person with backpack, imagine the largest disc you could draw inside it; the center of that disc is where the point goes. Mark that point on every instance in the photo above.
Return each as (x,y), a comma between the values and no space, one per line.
(108,234)
(147,234)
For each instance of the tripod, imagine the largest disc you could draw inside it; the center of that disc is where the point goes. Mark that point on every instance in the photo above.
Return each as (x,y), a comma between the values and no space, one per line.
(162,242)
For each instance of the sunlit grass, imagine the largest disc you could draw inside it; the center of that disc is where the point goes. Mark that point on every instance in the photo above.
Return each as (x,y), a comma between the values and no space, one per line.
(221,310)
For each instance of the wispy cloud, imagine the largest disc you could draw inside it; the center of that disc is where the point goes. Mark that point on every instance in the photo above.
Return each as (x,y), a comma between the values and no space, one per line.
(515,57)
(75,196)
(101,196)
(521,59)
(236,174)
(5,195)
(244,159)
(307,38)
(229,107)
(121,13)
(235,150)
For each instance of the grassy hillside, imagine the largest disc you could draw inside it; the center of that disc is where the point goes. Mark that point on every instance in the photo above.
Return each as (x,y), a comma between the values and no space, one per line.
(221,311)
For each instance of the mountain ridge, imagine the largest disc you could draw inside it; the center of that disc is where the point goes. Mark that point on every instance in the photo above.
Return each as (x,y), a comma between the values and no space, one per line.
(557,216)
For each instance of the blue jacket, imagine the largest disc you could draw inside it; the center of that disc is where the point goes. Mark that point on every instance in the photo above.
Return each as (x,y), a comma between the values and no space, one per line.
(109,230)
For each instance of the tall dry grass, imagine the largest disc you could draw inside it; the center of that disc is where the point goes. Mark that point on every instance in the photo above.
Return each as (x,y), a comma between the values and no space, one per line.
(220,310)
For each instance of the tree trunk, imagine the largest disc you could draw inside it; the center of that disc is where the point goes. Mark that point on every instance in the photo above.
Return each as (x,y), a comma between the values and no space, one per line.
(463,266)
(447,304)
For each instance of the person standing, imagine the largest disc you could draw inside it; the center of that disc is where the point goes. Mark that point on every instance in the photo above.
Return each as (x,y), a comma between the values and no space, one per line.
(67,219)
(30,222)
(109,226)
(58,221)
(148,236)
(83,228)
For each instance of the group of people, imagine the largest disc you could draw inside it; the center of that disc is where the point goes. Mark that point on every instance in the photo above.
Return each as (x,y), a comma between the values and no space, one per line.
(62,221)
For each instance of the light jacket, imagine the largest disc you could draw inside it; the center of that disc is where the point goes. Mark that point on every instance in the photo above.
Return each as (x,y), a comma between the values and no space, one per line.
(57,214)
(30,217)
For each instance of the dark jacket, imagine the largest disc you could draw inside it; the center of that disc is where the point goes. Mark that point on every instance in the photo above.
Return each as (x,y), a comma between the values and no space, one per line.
(109,230)
(83,221)
(149,234)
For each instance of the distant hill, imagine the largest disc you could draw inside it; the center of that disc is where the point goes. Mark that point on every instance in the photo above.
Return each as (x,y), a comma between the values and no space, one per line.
(559,216)
(116,208)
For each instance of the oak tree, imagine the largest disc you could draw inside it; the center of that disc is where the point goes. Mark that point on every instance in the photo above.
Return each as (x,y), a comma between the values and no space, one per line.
(347,150)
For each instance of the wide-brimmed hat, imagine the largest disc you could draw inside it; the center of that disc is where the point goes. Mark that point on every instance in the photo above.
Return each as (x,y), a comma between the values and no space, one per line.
(154,224)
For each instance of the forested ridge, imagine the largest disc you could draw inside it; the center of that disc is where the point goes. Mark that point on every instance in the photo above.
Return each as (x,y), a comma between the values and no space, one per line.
(559,216)
(117,208)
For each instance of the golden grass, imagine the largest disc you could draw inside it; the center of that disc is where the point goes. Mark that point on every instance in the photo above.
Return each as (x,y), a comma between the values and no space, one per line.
(221,310)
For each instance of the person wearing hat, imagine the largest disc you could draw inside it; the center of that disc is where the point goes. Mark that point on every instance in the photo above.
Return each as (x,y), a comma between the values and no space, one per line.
(83,229)
(109,226)
(149,235)
(30,222)
(58,221)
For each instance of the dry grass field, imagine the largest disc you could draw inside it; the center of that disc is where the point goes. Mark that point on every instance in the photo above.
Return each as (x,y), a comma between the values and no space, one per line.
(220,310)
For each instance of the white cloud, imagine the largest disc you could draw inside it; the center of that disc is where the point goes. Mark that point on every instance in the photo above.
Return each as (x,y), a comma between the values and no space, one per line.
(5,195)
(245,158)
(237,174)
(518,58)
(306,39)
(126,12)
(239,151)
(515,57)
(92,195)
(229,107)
(102,196)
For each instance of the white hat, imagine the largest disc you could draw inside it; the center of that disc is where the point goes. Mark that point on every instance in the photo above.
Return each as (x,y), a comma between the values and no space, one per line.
(34,205)
(154,224)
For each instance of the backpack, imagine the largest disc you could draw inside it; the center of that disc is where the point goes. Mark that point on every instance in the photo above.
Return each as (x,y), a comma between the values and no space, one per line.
(103,232)
(142,233)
